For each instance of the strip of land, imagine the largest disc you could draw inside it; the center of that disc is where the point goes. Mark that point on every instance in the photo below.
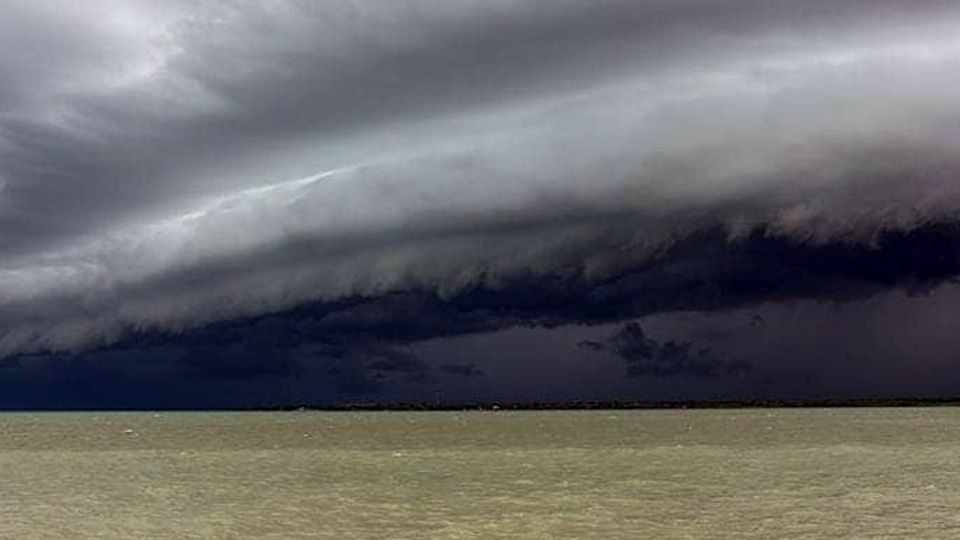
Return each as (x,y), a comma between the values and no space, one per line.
(560,405)
(626,405)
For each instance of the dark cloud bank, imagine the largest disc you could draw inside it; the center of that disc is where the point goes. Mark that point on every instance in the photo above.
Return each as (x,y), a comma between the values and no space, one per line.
(232,191)
(354,346)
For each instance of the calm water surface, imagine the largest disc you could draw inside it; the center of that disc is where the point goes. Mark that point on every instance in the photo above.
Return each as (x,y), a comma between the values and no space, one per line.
(816,473)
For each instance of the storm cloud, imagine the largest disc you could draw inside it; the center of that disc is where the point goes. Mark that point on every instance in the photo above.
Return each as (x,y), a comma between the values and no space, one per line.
(372,174)
(647,357)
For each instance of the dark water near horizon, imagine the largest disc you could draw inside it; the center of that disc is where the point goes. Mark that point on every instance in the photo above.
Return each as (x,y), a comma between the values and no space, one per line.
(760,473)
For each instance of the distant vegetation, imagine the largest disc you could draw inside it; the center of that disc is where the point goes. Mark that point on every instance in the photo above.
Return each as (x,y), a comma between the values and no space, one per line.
(680,404)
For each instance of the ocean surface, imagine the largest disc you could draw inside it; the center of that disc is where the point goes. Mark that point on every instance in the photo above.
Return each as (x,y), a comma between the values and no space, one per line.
(775,473)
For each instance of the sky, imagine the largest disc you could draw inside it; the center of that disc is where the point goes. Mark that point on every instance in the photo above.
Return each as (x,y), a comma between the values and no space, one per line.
(247,204)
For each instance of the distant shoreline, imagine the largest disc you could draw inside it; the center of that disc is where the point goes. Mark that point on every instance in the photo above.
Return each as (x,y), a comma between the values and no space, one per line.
(553,406)
(630,405)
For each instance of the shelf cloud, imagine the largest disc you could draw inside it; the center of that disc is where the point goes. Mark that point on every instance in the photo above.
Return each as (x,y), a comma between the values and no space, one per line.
(391,171)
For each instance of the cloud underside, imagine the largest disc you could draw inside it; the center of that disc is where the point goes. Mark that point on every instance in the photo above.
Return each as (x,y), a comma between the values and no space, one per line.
(360,177)
(704,273)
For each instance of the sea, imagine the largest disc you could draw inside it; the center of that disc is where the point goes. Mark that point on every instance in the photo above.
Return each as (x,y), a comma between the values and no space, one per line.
(638,474)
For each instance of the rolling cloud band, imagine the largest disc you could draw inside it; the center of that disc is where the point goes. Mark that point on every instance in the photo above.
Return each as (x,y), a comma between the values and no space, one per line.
(384,168)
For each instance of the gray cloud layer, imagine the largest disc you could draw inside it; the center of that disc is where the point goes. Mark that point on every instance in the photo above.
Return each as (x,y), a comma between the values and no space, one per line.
(167,165)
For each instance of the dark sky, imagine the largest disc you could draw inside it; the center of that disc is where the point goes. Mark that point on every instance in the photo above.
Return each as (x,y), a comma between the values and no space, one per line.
(223,204)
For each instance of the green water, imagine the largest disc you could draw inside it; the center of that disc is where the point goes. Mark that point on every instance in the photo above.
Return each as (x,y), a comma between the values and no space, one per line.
(820,473)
